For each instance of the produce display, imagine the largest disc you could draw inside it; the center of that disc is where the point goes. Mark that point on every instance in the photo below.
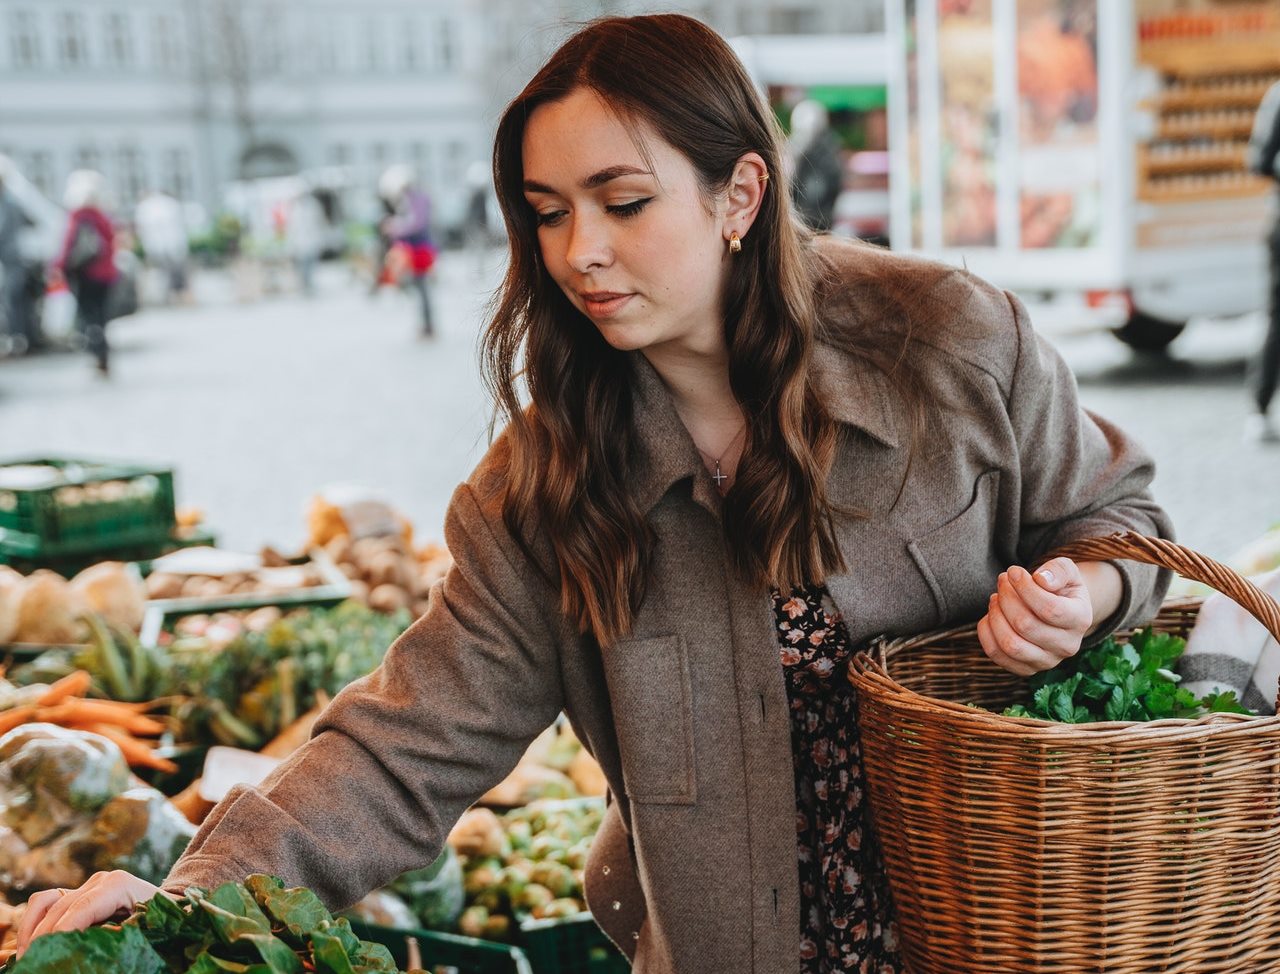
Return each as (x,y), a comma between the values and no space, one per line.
(69,807)
(256,927)
(63,703)
(208,573)
(245,692)
(1120,681)
(555,766)
(44,607)
(387,574)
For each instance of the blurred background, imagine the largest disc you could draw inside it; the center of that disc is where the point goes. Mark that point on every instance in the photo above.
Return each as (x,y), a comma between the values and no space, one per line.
(304,235)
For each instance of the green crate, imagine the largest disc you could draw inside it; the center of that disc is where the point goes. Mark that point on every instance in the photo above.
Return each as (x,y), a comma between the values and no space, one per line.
(446,953)
(69,518)
(142,554)
(572,945)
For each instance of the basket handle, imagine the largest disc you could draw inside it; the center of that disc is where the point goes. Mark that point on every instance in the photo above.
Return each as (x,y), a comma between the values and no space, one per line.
(1131,546)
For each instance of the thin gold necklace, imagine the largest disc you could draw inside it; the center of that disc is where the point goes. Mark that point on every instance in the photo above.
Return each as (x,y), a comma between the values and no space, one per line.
(720,477)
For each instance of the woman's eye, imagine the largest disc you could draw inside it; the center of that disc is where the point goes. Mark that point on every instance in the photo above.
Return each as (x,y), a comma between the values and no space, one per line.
(629,209)
(550,218)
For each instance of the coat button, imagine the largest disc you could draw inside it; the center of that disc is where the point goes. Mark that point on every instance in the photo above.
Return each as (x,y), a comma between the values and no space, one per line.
(617,905)
(604,870)
(635,934)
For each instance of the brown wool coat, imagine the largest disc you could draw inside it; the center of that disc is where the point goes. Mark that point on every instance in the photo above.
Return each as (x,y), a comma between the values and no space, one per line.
(695,867)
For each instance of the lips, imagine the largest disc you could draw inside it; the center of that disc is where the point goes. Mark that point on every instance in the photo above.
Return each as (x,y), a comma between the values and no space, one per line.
(603,304)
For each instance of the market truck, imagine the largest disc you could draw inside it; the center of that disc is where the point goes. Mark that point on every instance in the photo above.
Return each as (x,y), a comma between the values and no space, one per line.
(1088,151)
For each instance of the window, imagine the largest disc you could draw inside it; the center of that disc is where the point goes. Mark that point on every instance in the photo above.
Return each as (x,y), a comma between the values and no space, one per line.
(420,156)
(340,154)
(372,45)
(119,40)
(131,175)
(86,157)
(455,156)
(24,39)
(73,48)
(164,40)
(444,45)
(175,177)
(40,171)
(409,53)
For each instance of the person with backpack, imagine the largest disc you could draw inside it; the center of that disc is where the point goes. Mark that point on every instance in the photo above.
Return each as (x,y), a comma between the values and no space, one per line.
(87,260)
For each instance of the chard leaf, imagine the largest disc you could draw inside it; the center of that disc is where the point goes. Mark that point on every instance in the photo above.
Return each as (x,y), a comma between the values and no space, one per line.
(298,909)
(91,952)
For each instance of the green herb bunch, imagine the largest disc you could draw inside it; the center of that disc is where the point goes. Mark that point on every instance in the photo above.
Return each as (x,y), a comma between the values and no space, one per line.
(255,927)
(1121,681)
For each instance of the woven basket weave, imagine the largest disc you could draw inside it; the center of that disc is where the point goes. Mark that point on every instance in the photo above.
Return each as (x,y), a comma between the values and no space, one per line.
(1019,846)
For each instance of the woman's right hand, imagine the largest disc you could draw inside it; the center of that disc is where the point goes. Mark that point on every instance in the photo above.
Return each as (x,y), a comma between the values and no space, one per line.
(102,896)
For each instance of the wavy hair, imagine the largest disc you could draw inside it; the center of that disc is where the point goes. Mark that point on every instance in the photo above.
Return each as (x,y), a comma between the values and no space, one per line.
(572,448)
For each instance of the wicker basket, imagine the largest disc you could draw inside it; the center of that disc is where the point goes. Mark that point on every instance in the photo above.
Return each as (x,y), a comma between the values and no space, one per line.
(1017,845)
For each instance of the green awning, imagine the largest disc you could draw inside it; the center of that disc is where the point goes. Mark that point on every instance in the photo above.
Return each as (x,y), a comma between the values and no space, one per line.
(858,98)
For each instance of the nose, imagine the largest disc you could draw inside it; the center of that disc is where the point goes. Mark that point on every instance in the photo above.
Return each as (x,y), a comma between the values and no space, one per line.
(588,247)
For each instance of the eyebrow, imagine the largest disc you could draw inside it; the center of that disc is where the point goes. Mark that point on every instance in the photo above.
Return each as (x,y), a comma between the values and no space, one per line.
(593,181)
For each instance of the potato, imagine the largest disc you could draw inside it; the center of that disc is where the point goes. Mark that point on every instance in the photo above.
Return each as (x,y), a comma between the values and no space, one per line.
(50,611)
(115,592)
(11,586)
(339,548)
(388,598)
(164,585)
(359,591)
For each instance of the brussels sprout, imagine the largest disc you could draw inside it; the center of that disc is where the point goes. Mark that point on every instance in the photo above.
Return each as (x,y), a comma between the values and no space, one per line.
(497,928)
(473,920)
(558,909)
(533,897)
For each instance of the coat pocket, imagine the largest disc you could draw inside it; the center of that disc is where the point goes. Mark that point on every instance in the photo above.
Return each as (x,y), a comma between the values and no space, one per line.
(958,560)
(652,699)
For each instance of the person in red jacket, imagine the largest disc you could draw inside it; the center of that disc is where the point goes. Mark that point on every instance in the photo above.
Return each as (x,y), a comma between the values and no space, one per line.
(87,260)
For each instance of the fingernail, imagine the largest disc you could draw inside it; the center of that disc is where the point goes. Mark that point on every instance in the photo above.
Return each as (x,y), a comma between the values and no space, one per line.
(1016,573)
(1046,575)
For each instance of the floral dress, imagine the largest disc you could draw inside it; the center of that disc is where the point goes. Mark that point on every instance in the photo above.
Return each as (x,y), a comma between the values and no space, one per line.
(846,917)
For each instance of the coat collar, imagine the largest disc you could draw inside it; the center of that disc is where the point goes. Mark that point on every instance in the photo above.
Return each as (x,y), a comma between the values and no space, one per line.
(856,392)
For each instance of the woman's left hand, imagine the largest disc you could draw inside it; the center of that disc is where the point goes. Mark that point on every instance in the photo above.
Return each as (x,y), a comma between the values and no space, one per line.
(1034,622)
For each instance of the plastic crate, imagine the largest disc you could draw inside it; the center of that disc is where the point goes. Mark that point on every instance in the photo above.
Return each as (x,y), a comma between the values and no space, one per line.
(573,945)
(93,507)
(140,554)
(446,953)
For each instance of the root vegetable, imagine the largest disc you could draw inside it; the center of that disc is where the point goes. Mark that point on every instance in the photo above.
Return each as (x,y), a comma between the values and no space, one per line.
(388,598)
(110,589)
(11,586)
(164,585)
(49,611)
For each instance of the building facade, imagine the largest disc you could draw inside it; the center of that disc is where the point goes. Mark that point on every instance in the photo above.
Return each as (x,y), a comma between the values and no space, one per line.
(187,95)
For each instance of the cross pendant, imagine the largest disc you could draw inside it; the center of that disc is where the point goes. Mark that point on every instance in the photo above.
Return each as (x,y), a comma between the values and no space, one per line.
(718,476)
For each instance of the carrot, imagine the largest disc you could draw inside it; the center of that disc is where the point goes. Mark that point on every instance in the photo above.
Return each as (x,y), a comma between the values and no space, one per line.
(137,753)
(72,685)
(78,711)
(15,717)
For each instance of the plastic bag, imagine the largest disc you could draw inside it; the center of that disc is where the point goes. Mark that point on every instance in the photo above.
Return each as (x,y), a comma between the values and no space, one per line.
(59,318)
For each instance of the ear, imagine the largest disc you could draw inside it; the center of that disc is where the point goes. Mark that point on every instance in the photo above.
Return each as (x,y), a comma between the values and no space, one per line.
(746,191)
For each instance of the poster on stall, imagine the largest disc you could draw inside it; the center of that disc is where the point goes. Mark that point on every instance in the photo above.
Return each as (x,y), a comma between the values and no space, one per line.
(1059,187)
(967,123)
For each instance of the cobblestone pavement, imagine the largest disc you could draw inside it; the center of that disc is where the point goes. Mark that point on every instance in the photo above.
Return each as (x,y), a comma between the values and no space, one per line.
(256,406)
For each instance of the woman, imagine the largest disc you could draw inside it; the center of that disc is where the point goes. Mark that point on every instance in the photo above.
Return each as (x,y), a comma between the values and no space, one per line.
(745,451)
(87,260)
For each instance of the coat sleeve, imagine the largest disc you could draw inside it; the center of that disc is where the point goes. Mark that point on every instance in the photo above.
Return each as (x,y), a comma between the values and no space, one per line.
(398,756)
(1264,141)
(1082,476)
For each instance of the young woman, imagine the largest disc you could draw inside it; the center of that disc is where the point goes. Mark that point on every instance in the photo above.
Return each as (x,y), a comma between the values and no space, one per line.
(734,453)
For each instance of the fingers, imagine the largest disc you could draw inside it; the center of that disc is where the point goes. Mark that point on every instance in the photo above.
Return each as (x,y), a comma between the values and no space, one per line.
(37,906)
(1006,648)
(100,898)
(1055,595)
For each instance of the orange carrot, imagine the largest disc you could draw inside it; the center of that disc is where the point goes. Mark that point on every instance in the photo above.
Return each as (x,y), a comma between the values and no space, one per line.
(78,711)
(15,717)
(72,685)
(137,753)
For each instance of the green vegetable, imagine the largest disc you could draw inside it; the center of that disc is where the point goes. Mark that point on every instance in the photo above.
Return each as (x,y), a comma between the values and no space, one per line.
(1120,681)
(257,927)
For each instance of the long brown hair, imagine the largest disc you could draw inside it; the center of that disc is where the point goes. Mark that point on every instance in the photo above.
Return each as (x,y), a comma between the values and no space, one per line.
(571,451)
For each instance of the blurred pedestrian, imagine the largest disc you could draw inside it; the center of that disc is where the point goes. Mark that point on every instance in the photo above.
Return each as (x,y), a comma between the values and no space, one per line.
(479,183)
(304,236)
(412,253)
(87,260)
(815,159)
(17,305)
(162,231)
(1264,148)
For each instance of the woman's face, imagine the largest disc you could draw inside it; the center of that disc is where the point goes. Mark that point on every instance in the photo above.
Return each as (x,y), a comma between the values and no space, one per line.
(630,242)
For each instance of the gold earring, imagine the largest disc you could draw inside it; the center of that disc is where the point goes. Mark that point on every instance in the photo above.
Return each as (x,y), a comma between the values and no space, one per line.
(735,244)
(763,179)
